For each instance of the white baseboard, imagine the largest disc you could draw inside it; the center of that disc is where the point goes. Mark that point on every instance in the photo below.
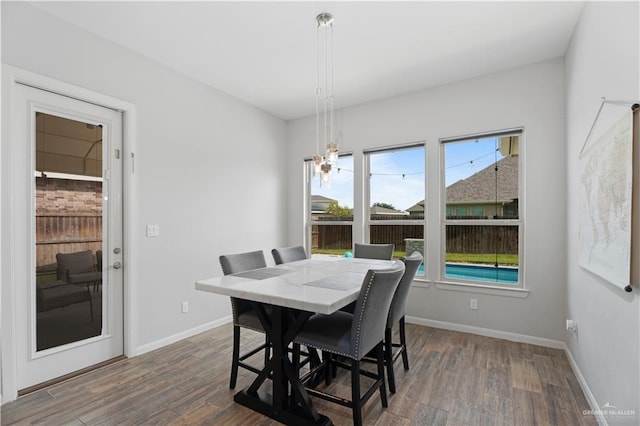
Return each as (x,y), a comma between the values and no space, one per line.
(182,335)
(523,338)
(595,408)
(514,337)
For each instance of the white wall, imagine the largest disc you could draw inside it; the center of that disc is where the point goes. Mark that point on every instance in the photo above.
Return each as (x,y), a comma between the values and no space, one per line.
(602,61)
(530,96)
(207,168)
(203,159)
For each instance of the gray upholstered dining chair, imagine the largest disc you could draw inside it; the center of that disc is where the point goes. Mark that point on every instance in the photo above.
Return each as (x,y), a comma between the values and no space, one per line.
(78,268)
(374,251)
(242,312)
(288,254)
(370,251)
(353,335)
(397,313)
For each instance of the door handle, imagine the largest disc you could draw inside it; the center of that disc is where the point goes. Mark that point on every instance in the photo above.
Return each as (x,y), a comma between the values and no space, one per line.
(116,265)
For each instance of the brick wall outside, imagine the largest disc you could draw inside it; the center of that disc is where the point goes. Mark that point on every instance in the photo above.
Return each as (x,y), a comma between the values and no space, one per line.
(68,197)
(68,218)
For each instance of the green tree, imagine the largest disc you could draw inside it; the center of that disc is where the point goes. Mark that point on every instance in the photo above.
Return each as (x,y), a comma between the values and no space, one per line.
(384,205)
(335,209)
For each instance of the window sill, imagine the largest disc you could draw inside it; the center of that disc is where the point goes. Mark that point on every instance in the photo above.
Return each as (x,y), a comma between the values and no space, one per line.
(421,283)
(520,293)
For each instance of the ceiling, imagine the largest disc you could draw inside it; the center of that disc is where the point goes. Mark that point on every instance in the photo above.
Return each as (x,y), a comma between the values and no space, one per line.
(264,52)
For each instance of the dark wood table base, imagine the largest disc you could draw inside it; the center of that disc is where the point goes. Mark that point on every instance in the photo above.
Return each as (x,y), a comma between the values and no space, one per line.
(292,415)
(289,402)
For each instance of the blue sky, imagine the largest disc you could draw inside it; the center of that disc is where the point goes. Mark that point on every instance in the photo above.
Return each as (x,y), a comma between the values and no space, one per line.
(388,185)
(467,158)
(398,178)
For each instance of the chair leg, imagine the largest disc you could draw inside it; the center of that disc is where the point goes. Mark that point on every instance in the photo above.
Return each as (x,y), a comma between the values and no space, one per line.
(388,359)
(267,349)
(355,393)
(326,359)
(295,357)
(90,306)
(334,367)
(383,388)
(313,363)
(403,345)
(315,357)
(235,359)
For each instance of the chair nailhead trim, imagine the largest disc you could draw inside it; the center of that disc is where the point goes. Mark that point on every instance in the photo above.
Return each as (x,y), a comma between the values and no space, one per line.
(359,323)
(324,349)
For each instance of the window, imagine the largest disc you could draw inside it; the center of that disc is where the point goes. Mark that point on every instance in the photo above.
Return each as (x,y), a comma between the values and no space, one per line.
(396,198)
(461,211)
(330,209)
(477,210)
(481,225)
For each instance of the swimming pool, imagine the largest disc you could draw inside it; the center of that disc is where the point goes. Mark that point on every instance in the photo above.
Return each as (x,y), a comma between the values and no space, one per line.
(479,273)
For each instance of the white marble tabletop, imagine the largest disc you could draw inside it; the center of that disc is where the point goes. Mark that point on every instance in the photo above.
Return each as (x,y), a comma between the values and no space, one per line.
(321,285)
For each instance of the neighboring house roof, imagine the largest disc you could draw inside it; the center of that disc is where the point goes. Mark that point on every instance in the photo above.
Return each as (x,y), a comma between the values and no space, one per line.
(321,199)
(417,208)
(320,203)
(377,210)
(481,186)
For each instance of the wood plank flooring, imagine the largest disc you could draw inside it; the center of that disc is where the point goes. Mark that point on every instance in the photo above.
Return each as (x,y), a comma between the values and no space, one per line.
(455,379)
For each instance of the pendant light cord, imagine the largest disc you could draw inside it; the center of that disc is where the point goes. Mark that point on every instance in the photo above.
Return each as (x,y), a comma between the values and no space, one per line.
(318,90)
(326,87)
(331,138)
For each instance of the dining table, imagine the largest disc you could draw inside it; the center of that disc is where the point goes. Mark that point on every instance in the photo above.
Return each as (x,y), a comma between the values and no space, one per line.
(293,291)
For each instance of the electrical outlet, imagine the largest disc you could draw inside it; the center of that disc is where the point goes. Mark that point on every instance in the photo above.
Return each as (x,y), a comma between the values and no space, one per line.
(473,303)
(185,307)
(153,230)
(572,326)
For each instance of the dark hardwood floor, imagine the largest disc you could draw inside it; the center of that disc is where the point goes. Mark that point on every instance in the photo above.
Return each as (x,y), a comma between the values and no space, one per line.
(455,379)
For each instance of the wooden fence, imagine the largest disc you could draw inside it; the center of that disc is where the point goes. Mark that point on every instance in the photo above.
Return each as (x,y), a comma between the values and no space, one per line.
(460,238)
(327,236)
(66,234)
(340,236)
(395,234)
(480,239)
(331,237)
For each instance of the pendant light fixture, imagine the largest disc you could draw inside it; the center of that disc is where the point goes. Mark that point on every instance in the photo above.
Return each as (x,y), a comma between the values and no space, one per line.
(323,164)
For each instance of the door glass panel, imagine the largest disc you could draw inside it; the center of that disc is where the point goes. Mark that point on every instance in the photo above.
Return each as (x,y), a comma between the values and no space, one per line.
(68,224)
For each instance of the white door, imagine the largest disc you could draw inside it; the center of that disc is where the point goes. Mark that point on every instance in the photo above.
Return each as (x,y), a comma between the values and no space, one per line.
(66,216)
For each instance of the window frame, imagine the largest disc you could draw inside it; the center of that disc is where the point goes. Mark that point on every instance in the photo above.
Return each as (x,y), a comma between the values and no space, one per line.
(309,179)
(519,222)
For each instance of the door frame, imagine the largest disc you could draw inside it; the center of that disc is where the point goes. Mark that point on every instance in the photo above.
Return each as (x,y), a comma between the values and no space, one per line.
(11,76)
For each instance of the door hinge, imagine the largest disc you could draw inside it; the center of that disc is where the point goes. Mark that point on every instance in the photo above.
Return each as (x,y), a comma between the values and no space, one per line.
(117,153)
